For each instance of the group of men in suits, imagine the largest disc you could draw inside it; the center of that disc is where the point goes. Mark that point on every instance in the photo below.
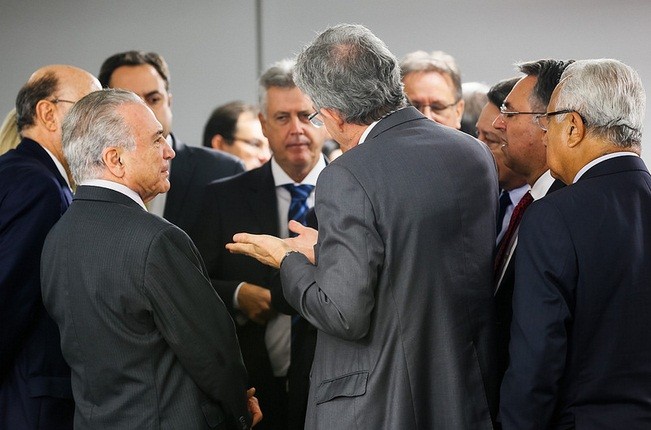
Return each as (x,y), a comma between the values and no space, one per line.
(396,287)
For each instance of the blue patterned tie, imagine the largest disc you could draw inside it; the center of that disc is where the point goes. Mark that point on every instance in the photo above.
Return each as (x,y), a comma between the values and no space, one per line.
(298,208)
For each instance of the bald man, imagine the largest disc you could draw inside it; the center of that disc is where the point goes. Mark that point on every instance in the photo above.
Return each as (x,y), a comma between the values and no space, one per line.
(35,190)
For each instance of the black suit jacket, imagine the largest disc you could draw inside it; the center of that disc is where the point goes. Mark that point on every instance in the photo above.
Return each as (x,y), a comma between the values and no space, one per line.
(192,169)
(35,390)
(504,308)
(580,338)
(150,344)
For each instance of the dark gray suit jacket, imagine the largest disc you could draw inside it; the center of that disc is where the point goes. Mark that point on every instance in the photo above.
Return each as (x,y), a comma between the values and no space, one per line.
(150,344)
(402,290)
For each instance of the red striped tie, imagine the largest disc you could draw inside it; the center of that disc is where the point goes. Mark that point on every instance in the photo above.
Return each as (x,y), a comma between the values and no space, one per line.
(509,236)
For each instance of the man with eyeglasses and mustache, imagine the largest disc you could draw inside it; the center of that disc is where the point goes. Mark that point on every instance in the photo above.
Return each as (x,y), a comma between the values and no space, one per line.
(432,83)
(262,200)
(35,190)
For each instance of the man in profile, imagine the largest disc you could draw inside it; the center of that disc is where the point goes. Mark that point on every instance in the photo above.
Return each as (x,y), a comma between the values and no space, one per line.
(149,342)
(399,283)
(147,74)
(580,339)
(35,190)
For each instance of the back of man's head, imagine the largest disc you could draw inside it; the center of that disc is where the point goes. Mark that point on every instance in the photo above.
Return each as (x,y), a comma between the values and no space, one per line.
(40,88)
(133,58)
(92,125)
(548,73)
(223,121)
(347,68)
(610,98)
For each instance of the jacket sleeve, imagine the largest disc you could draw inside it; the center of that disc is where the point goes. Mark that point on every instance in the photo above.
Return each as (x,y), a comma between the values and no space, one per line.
(337,295)
(194,321)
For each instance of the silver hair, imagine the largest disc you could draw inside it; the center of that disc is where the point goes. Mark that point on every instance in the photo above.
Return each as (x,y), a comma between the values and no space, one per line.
(92,125)
(347,68)
(279,74)
(436,61)
(610,98)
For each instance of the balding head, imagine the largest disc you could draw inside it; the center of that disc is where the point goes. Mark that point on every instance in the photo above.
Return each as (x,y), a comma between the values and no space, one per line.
(44,100)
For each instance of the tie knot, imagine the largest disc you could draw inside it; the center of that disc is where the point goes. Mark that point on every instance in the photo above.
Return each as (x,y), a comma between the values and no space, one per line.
(526,200)
(505,199)
(299,192)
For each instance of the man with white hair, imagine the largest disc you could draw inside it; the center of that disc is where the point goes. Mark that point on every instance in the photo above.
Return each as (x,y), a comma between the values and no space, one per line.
(580,339)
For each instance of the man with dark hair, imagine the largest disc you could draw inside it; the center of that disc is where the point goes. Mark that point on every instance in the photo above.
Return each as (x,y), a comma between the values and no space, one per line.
(149,342)
(147,75)
(235,128)
(399,282)
(525,154)
(581,344)
(35,190)
(276,349)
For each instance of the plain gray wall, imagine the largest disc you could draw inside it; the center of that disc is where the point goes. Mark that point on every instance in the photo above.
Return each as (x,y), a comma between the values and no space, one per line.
(211,45)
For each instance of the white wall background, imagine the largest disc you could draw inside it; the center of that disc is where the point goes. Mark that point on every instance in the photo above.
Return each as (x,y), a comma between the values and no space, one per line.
(210,45)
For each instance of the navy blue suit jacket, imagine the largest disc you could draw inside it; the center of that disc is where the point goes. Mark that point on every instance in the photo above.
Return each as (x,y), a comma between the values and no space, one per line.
(35,391)
(580,338)
(192,169)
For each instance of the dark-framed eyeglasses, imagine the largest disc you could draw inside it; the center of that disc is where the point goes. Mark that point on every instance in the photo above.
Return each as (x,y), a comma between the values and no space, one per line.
(256,143)
(434,107)
(55,101)
(314,120)
(506,113)
(543,119)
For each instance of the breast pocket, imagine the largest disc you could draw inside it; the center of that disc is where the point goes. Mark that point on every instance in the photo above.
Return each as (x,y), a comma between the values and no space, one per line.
(351,385)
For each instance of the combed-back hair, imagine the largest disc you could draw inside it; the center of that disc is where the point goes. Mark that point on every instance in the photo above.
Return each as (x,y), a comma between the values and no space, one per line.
(280,75)
(134,58)
(549,74)
(30,94)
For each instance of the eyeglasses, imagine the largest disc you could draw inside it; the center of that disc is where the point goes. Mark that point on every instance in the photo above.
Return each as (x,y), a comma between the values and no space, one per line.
(504,111)
(55,101)
(434,107)
(543,119)
(257,143)
(314,120)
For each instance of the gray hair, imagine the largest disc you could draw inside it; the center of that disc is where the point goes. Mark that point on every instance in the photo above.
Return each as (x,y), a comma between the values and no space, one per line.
(475,98)
(92,125)
(610,98)
(279,74)
(436,61)
(347,68)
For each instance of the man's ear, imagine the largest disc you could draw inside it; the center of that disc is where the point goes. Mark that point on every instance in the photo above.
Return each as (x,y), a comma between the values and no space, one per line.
(169,99)
(218,142)
(334,116)
(576,131)
(113,161)
(45,115)
(263,124)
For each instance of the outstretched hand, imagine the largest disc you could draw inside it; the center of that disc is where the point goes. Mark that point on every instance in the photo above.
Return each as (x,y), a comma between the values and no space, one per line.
(267,249)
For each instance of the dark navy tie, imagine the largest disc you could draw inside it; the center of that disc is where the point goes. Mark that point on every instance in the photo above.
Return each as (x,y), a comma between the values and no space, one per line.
(298,208)
(505,202)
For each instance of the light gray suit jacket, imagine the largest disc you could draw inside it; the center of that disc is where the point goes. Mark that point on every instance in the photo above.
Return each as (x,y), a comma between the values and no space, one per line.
(402,290)
(149,342)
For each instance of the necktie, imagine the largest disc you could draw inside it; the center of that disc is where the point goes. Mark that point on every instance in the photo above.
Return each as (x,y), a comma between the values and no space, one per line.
(505,202)
(298,208)
(505,244)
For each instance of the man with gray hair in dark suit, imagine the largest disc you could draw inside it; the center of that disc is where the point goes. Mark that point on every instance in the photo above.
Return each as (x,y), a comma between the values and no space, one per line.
(399,282)
(149,342)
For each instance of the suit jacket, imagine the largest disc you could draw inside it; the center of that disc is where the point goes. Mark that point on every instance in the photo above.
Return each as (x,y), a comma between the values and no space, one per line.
(503,299)
(580,338)
(402,291)
(246,202)
(150,344)
(35,390)
(192,169)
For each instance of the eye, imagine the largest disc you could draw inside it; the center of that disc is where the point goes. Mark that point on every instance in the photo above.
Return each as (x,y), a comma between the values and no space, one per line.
(282,119)
(304,117)
(154,99)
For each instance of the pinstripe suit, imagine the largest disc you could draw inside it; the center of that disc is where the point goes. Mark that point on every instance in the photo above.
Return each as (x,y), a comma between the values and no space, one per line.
(150,344)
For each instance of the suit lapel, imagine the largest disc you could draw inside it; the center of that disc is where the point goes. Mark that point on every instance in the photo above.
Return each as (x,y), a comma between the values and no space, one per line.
(180,177)
(262,198)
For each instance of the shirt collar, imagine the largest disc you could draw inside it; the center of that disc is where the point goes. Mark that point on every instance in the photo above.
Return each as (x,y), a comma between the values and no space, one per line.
(542,185)
(599,160)
(123,189)
(282,178)
(59,166)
